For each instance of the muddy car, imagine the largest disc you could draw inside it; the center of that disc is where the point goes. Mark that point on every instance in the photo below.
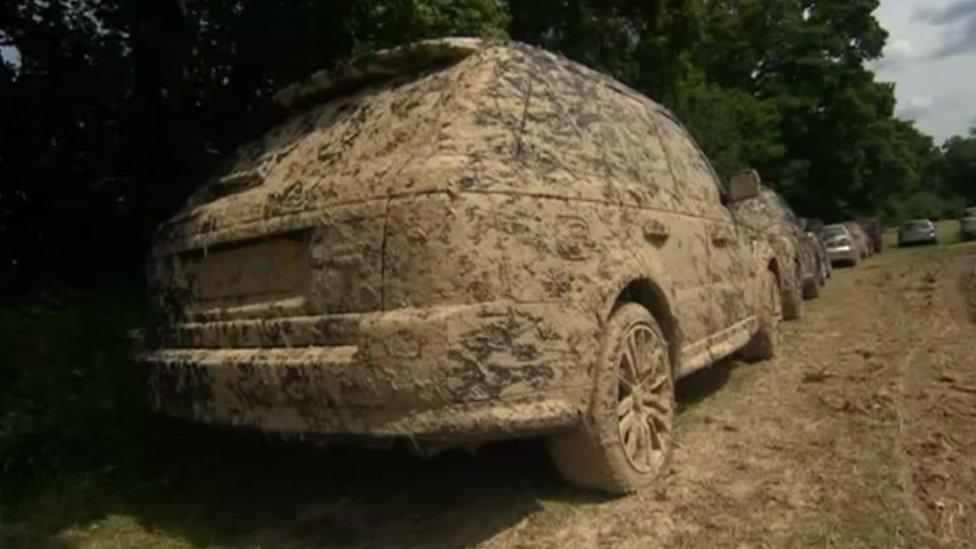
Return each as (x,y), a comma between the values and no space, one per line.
(967,225)
(803,276)
(814,231)
(875,231)
(841,246)
(861,238)
(459,242)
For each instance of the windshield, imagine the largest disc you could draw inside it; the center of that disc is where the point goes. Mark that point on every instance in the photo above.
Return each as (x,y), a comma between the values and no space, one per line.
(917,225)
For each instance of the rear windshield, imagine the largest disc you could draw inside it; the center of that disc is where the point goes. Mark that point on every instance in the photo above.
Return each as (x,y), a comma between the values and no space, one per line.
(917,225)
(833,232)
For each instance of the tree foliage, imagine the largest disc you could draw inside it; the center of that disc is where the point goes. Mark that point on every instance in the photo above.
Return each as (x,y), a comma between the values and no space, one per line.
(114,111)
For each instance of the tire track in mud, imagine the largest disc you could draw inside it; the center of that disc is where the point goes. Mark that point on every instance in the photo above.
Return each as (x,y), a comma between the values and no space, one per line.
(938,405)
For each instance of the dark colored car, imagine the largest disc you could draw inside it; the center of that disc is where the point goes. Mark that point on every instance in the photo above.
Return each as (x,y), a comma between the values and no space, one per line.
(875,232)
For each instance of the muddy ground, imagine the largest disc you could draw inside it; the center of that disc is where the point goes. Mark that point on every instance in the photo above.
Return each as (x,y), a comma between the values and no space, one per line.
(863,434)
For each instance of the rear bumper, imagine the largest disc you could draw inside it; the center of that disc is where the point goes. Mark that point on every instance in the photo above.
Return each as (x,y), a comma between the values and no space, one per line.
(457,373)
(916,238)
(843,254)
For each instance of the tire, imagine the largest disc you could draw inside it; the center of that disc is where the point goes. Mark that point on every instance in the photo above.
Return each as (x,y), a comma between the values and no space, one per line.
(765,342)
(623,443)
(793,300)
(811,290)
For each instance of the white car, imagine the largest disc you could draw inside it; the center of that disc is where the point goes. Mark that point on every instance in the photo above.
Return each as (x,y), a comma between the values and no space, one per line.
(840,244)
(917,231)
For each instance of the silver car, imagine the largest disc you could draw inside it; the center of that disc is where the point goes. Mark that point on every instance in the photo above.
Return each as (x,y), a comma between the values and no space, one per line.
(917,231)
(967,225)
(841,246)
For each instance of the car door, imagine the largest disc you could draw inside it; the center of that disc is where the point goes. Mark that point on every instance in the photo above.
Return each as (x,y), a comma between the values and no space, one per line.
(726,242)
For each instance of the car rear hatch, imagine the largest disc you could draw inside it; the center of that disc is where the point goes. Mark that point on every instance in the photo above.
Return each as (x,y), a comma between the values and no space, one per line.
(293,228)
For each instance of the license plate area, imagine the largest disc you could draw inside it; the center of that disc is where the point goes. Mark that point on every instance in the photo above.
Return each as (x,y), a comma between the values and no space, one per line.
(249,272)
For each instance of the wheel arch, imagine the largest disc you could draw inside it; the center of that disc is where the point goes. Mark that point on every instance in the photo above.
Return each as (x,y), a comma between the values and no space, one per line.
(649,294)
(773,265)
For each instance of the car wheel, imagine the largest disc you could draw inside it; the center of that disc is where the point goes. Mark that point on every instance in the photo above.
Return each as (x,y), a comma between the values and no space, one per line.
(763,345)
(811,290)
(793,300)
(625,439)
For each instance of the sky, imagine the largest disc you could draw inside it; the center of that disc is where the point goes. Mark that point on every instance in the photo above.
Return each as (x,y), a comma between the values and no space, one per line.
(931,57)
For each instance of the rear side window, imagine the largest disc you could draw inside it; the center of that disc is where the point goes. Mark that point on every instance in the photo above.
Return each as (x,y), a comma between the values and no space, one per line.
(918,225)
(693,174)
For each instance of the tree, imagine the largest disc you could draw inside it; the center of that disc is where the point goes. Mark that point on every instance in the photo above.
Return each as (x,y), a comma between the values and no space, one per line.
(960,165)
(119,109)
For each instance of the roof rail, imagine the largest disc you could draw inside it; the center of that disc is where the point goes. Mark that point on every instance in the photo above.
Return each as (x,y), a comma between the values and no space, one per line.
(375,68)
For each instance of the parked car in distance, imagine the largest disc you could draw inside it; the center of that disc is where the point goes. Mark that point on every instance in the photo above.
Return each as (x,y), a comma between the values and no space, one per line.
(861,238)
(917,231)
(404,259)
(967,225)
(841,245)
(813,228)
(875,233)
(769,213)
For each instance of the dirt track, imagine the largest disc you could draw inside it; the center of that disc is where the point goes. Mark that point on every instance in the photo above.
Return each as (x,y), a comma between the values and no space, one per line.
(863,433)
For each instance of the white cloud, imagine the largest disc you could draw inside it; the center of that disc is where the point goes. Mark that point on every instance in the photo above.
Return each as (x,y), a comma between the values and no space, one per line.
(916,106)
(932,58)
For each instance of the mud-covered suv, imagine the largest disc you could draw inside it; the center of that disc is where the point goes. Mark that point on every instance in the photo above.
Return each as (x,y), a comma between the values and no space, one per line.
(457,242)
(803,275)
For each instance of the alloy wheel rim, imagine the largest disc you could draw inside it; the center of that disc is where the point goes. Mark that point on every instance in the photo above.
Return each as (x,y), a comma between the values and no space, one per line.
(644,399)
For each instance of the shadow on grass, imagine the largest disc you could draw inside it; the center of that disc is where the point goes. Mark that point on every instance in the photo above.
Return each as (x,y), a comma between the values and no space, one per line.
(208,487)
(699,386)
(240,489)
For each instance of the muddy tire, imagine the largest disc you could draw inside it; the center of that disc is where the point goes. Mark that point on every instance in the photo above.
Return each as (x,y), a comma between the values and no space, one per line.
(625,439)
(811,290)
(793,300)
(764,344)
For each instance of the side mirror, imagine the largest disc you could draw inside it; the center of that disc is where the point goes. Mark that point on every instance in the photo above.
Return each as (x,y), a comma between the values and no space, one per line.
(744,185)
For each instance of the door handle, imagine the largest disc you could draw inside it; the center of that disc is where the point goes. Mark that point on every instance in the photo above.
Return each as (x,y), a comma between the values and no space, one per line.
(721,235)
(656,232)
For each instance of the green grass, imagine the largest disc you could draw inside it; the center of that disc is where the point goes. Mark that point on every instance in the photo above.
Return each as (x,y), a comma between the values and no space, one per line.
(71,406)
